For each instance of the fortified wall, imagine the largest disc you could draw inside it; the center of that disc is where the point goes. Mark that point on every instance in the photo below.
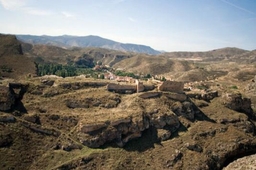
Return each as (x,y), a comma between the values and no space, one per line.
(170,86)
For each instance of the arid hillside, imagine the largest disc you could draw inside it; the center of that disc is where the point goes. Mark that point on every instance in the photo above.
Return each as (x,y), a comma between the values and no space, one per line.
(226,54)
(202,115)
(13,63)
(153,65)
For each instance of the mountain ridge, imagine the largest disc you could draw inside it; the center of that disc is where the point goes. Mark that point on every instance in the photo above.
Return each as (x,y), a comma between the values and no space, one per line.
(68,41)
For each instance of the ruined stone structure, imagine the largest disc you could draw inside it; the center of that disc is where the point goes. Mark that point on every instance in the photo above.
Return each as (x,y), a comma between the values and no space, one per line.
(140,87)
(129,89)
(172,86)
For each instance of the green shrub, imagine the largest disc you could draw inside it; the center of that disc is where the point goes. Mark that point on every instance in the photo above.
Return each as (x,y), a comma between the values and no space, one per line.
(234,87)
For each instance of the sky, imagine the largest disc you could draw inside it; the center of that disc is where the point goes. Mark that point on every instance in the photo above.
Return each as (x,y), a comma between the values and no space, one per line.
(168,25)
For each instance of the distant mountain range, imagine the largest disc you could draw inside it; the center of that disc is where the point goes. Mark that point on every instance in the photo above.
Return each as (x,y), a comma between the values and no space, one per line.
(68,41)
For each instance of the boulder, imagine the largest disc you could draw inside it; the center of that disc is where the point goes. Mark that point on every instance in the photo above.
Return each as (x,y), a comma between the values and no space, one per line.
(194,147)
(71,146)
(32,118)
(7,119)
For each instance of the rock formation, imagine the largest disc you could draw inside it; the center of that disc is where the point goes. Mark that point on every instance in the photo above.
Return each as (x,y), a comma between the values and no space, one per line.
(203,95)
(7,98)
(123,130)
(11,96)
(121,88)
(171,86)
(236,102)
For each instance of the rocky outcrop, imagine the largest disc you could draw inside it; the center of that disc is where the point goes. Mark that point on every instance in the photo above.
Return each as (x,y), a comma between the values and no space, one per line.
(117,88)
(251,87)
(149,95)
(19,89)
(194,147)
(125,129)
(185,109)
(236,102)
(32,118)
(247,162)
(173,96)
(204,95)
(171,86)
(7,98)
(176,96)
(10,96)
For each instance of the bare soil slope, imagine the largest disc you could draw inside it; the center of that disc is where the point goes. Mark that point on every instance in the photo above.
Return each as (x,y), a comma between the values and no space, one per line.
(153,65)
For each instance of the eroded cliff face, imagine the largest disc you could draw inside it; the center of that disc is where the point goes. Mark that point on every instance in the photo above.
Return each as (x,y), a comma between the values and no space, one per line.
(125,129)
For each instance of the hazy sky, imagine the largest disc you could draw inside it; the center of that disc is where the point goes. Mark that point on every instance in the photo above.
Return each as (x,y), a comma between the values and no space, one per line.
(170,25)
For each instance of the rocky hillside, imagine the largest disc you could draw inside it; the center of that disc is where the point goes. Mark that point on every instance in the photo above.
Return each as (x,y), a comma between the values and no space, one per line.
(55,123)
(76,123)
(86,41)
(13,63)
